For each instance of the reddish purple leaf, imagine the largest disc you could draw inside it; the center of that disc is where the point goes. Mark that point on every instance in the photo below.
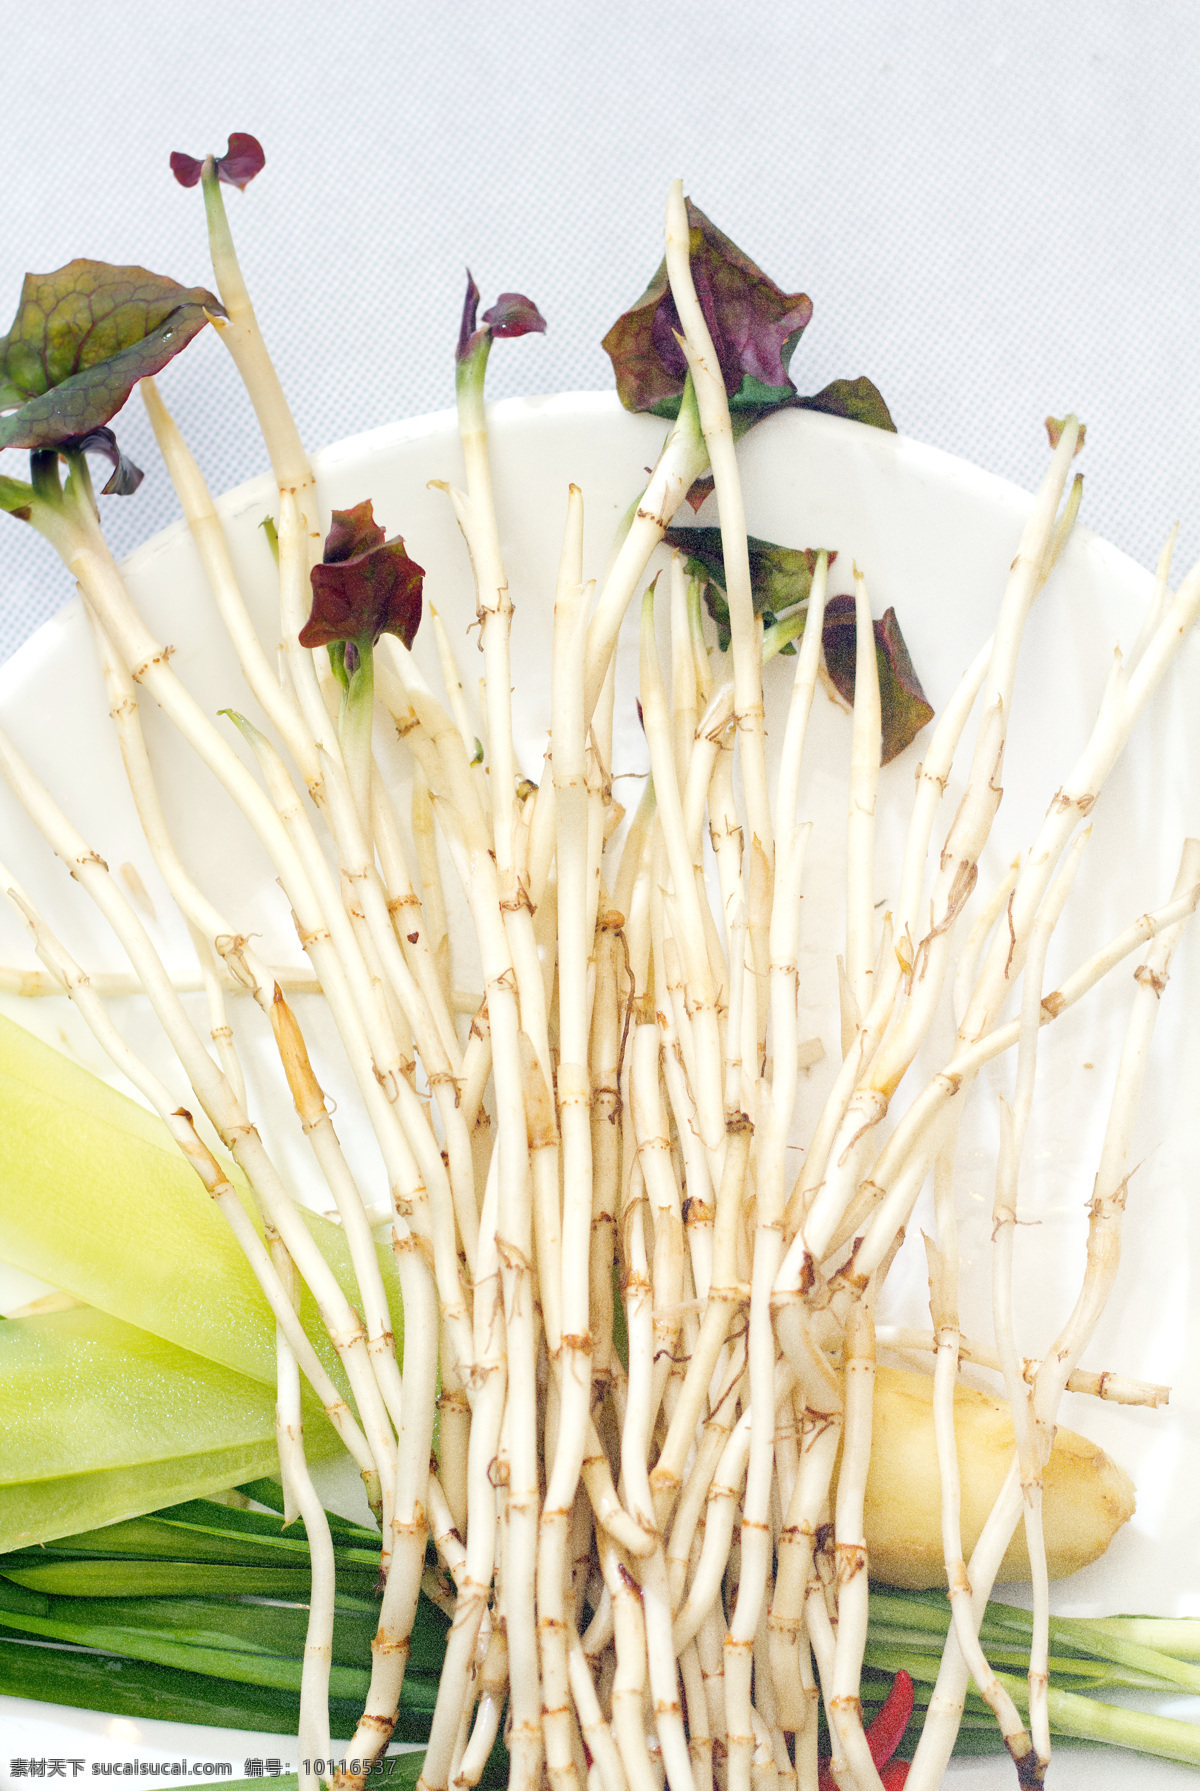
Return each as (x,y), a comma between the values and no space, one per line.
(125,476)
(700,491)
(467,328)
(353,532)
(243,159)
(903,704)
(366,586)
(754,327)
(515,315)
(512,315)
(186,169)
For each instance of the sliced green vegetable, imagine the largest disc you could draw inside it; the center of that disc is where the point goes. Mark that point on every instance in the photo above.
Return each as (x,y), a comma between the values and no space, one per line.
(96,1199)
(33,1509)
(269,1492)
(83,1392)
(262,1529)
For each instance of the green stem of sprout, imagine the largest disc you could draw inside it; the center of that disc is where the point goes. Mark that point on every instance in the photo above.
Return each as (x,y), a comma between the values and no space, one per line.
(354,722)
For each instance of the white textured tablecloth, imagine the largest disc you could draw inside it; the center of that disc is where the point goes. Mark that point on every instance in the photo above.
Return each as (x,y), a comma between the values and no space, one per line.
(992,205)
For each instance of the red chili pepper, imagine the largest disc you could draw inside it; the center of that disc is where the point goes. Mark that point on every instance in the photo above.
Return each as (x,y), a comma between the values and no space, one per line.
(887,1731)
(884,1736)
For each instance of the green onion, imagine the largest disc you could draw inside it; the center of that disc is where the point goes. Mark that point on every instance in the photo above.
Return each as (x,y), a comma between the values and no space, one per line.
(907,1631)
(166,1605)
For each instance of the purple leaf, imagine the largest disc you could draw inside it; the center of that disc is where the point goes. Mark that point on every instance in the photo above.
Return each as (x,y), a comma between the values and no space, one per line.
(903,704)
(243,159)
(512,315)
(466,329)
(352,532)
(82,338)
(754,326)
(125,477)
(700,491)
(365,587)
(515,315)
(186,169)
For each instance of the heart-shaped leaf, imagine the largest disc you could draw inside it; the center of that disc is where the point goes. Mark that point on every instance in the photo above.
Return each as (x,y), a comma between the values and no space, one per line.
(365,587)
(243,159)
(754,325)
(82,338)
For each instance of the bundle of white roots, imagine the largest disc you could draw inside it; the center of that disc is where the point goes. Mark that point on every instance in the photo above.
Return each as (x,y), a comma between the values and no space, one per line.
(647,1344)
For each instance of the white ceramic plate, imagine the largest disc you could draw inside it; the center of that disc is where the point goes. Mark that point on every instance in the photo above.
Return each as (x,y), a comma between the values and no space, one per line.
(934,537)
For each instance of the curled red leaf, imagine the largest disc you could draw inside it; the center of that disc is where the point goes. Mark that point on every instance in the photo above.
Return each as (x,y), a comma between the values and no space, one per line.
(243,159)
(515,315)
(125,476)
(352,532)
(366,586)
(512,315)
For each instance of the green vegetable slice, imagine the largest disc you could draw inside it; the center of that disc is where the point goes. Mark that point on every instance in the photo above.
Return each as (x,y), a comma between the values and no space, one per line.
(96,1198)
(84,1392)
(33,1509)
